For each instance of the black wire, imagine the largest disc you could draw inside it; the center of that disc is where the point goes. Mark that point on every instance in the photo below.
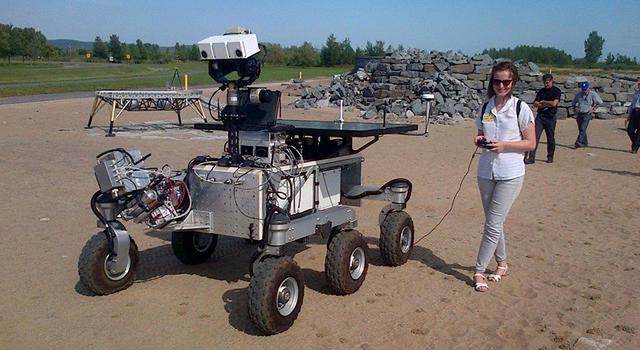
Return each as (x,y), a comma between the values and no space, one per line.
(119,149)
(209,105)
(238,206)
(452,201)
(95,210)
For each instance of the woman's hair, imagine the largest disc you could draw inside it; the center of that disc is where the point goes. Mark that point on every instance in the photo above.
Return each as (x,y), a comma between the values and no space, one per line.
(505,65)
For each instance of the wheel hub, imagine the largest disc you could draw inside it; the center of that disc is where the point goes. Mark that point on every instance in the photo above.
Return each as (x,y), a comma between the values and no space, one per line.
(110,263)
(405,239)
(287,296)
(201,242)
(357,262)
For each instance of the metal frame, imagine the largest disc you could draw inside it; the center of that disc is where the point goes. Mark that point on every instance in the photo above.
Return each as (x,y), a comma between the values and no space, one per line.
(175,100)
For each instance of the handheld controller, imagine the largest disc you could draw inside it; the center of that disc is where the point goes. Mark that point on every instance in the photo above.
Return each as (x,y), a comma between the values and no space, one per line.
(485,144)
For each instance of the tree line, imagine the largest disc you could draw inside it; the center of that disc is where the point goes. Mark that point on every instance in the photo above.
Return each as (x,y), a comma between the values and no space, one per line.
(24,42)
(332,53)
(31,43)
(549,55)
(116,51)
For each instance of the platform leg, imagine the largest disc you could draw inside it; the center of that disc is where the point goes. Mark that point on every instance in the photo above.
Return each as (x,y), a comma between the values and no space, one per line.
(179,118)
(94,109)
(200,110)
(113,118)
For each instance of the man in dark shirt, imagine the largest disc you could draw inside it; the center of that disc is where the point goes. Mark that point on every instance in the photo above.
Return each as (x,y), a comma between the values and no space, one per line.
(546,102)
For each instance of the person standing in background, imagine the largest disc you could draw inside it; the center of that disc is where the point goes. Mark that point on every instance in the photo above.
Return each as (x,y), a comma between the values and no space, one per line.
(546,102)
(633,126)
(584,104)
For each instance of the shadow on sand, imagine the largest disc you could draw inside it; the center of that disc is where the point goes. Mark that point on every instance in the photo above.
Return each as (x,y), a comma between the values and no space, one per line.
(231,261)
(618,172)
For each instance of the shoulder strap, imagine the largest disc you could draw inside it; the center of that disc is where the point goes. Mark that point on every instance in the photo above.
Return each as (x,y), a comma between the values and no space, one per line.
(484,107)
(518,108)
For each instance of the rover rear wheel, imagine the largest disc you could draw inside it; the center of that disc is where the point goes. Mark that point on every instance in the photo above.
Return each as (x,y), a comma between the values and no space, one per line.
(193,247)
(346,262)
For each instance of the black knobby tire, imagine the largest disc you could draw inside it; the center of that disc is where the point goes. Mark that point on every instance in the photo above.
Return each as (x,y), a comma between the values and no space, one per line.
(193,247)
(346,262)
(273,278)
(92,266)
(396,238)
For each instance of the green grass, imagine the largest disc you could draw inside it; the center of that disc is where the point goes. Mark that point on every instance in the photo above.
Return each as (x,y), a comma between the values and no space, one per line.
(19,79)
(588,70)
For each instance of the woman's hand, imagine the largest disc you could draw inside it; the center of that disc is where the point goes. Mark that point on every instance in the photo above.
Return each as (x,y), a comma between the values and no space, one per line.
(497,146)
(478,140)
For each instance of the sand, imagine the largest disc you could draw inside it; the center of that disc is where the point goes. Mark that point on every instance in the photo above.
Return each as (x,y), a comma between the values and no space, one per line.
(572,240)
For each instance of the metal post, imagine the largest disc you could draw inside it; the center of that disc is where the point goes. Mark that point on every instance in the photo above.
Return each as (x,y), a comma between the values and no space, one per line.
(428,98)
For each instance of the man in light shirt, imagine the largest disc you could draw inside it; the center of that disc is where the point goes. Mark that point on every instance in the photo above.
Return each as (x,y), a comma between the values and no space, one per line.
(584,104)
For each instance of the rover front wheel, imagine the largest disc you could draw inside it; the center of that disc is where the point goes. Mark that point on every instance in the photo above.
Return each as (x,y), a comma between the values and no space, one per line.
(396,238)
(96,266)
(276,293)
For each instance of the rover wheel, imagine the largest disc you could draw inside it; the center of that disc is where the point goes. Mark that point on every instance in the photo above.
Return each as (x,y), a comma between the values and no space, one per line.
(192,247)
(276,292)
(396,238)
(95,263)
(346,262)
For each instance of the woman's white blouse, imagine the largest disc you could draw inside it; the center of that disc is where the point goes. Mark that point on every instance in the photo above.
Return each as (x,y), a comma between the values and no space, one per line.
(503,126)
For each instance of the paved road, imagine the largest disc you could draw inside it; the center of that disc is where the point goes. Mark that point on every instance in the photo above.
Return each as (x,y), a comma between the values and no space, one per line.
(45,97)
(82,94)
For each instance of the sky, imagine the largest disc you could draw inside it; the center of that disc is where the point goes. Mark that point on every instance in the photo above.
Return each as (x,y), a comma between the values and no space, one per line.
(466,25)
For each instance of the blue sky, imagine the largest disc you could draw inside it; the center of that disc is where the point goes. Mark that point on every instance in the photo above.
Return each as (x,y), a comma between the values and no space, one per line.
(469,26)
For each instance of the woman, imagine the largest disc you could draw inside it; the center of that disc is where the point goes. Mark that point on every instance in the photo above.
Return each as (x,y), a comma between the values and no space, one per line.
(505,137)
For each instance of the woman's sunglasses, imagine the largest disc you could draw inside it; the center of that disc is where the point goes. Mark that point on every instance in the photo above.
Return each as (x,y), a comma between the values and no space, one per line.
(498,82)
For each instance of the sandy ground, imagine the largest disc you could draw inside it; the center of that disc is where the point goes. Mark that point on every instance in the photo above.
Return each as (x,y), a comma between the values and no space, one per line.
(572,240)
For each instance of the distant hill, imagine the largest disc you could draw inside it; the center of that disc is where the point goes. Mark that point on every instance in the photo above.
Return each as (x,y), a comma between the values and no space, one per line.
(71,44)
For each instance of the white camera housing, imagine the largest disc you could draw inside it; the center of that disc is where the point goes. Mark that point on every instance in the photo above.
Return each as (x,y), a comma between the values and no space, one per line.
(230,46)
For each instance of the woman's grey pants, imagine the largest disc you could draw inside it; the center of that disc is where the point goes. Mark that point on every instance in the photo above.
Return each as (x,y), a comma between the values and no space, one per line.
(497,198)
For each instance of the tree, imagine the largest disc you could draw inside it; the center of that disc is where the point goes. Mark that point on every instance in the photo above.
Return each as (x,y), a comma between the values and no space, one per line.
(304,56)
(538,54)
(275,54)
(139,53)
(5,40)
(375,50)
(347,55)
(99,48)
(194,53)
(330,52)
(16,43)
(610,59)
(115,47)
(593,47)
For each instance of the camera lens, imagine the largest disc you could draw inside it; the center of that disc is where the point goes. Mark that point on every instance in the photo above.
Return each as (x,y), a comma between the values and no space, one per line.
(203,54)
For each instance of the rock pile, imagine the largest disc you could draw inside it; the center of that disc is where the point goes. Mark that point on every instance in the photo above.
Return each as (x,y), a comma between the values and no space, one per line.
(394,85)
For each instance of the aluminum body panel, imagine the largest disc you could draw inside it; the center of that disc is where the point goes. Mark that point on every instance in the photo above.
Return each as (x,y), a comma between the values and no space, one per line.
(233,196)
(306,225)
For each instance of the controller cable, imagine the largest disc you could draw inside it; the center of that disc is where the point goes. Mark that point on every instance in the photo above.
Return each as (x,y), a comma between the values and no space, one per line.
(473,155)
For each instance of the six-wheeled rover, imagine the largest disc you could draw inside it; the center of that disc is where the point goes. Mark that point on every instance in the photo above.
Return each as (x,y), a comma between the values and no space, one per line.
(280,181)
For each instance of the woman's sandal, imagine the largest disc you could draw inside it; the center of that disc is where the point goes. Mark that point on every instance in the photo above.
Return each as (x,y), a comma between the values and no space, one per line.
(478,286)
(494,277)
